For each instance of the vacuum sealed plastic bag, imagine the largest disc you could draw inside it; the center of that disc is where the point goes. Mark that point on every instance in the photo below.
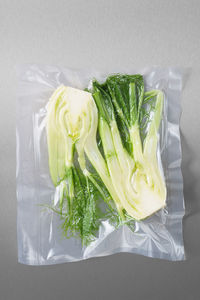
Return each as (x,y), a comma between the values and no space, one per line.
(98,164)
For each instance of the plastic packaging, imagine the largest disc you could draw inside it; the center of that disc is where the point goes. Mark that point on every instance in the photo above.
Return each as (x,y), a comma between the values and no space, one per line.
(40,240)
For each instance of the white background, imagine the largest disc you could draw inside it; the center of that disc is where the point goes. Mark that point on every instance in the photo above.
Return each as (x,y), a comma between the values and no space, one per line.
(107,35)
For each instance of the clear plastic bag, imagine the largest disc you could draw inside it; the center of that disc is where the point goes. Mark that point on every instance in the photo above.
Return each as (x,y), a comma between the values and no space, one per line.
(40,240)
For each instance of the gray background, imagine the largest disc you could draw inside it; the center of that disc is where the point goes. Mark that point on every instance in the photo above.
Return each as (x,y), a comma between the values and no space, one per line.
(106,35)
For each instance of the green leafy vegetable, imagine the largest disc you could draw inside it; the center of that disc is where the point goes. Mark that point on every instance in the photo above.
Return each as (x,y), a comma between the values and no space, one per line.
(133,169)
(102,145)
(71,124)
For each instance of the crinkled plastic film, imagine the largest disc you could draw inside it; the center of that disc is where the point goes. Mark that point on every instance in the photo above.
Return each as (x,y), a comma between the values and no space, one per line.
(40,240)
